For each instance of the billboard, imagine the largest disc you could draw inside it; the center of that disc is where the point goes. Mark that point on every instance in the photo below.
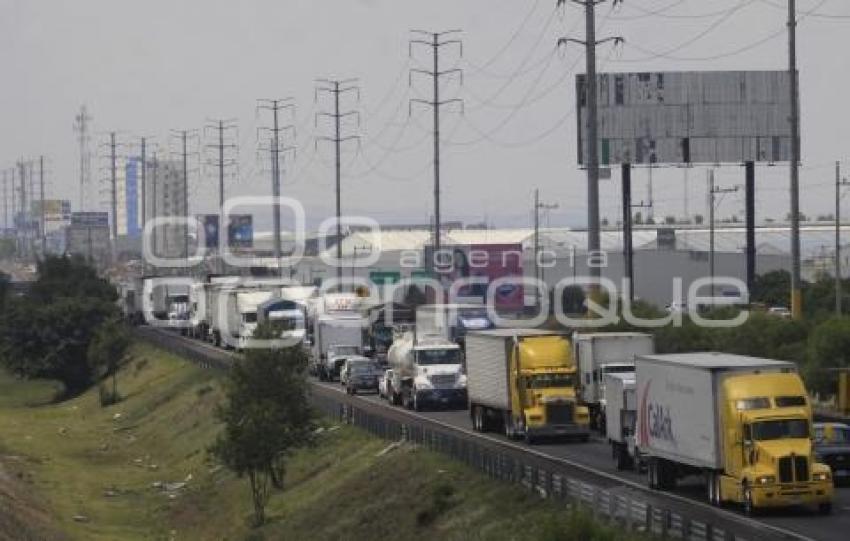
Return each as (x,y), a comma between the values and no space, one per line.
(210,223)
(689,117)
(486,263)
(240,231)
(90,219)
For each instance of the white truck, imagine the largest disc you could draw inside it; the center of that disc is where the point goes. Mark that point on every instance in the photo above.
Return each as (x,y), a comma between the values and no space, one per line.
(233,314)
(336,336)
(621,418)
(426,370)
(598,354)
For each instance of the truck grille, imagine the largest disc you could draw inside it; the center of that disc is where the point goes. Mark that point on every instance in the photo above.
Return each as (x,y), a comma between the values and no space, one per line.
(559,414)
(443,380)
(793,468)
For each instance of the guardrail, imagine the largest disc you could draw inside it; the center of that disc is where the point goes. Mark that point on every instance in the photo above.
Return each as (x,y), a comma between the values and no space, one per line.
(609,499)
(629,512)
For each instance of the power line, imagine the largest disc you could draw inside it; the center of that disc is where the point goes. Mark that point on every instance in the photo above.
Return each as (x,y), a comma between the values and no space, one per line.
(814,13)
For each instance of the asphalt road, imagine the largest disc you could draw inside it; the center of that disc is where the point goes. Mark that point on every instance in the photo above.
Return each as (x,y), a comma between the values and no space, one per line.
(596,454)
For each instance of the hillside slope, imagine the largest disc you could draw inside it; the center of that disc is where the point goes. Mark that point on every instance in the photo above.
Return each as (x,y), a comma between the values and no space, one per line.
(139,470)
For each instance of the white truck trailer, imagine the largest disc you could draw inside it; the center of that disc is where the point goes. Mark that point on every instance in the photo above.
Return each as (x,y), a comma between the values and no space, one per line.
(743,423)
(621,418)
(233,314)
(598,354)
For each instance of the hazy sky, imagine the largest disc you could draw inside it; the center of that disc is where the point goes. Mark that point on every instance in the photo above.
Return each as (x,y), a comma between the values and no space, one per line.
(144,68)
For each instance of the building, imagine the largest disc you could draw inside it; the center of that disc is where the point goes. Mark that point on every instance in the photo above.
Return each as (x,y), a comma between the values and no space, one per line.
(165,197)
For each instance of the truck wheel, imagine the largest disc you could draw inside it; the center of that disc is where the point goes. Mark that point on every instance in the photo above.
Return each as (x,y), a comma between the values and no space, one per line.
(825,508)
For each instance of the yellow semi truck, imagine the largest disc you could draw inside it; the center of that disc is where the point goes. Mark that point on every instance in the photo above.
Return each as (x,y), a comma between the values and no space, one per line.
(523,381)
(743,423)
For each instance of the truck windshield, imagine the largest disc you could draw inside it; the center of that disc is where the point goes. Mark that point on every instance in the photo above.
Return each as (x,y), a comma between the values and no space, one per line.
(619,369)
(426,357)
(547,381)
(780,429)
(249,317)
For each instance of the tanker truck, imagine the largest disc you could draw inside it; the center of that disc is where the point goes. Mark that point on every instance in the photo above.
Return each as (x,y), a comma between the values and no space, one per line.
(426,370)
(742,423)
(522,381)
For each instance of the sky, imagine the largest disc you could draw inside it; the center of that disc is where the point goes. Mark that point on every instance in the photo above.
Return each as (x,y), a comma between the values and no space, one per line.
(146,68)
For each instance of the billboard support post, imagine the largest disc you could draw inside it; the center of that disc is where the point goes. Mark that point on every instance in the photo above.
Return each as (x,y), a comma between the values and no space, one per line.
(627,229)
(750,190)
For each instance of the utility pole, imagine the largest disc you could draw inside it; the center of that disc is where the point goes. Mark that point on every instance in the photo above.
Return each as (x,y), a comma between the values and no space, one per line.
(154,215)
(275,106)
(5,203)
(592,159)
(41,189)
(183,137)
(23,201)
(82,127)
(436,43)
(796,292)
(336,88)
(114,181)
(838,184)
(221,128)
(538,206)
(712,194)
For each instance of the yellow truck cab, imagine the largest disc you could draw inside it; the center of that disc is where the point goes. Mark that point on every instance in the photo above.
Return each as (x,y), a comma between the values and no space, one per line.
(525,381)
(769,457)
(743,423)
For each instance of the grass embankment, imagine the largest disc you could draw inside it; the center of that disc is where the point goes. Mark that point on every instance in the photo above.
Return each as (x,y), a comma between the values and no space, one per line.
(139,470)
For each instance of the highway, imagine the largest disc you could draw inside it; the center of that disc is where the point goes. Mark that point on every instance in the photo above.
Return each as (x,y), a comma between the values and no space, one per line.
(597,455)
(801,523)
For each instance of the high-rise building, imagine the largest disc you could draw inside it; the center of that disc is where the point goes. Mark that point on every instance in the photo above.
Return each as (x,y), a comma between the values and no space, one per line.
(165,198)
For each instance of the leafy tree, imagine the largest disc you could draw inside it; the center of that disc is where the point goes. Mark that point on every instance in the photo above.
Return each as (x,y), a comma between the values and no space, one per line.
(772,288)
(106,351)
(829,347)
(266,417)
(47,332)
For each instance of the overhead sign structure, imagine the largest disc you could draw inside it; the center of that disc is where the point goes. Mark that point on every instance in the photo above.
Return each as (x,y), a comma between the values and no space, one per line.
(707,117)
(240,231)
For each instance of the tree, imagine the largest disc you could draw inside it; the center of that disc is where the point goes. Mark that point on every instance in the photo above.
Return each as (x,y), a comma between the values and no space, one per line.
(47,332)
(106,351)
(266,417)
(829,347)
(772,288)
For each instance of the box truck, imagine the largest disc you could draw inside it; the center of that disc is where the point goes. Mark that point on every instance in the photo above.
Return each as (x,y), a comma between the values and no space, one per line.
(743,423)
(233,313)
(523,381)
(598,354)
(621,418)
(336,336)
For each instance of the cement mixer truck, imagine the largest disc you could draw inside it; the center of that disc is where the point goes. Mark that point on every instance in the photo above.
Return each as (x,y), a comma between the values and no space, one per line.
(425,370)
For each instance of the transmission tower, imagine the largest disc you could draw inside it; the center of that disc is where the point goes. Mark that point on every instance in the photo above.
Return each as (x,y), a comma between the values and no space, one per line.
(337,88)
(275,148)
(82,127)
(223,134)
(436,43)
(183,139)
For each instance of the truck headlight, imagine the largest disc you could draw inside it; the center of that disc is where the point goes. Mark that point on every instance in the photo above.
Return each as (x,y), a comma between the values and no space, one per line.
(765,480)
(461,380)
(821,476)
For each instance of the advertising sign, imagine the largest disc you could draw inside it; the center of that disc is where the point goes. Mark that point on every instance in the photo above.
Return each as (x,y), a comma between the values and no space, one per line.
(90,219)
(689,117)
(490,265)
(240,231)
(210,223)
